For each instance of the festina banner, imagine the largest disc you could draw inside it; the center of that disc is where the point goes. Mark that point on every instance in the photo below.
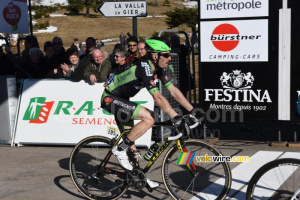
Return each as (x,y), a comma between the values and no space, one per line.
(239,62)
(14,16)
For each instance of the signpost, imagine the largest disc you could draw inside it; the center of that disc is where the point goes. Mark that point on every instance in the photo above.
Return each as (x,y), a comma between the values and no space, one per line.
(132,9)
(123,9)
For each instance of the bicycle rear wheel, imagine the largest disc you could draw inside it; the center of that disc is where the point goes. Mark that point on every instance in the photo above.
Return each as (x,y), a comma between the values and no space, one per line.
(199,180)
(278,179)
(95,171)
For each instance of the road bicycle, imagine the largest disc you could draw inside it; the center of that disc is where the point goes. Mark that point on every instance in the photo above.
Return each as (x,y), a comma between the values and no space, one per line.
(97,174)
(278,179)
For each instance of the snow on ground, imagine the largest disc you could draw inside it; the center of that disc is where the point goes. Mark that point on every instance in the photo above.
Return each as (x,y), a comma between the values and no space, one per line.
(49,29)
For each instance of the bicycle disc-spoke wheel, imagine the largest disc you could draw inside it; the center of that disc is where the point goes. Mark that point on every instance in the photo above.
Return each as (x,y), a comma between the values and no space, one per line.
(278,179)
(200,180)
(95,181)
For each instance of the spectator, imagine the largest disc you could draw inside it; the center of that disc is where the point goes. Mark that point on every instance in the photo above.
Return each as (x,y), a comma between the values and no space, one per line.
(132,48)
(30,42)
(122,39)
(90,46)
(34,67)
(52,65)
(99,44)
(75,68)
(121,60)
(82,49)
(99,68)
(141,49)
(184,72)
(59,49)
(112,56)
(6,66)
(76,43)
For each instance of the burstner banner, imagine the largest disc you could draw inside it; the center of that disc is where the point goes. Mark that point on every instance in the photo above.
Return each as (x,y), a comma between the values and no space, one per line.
(14,16)
(233,41)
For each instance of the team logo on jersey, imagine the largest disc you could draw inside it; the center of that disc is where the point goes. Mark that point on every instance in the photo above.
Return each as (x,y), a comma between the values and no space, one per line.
(148,69)
(108,100)
(237,80)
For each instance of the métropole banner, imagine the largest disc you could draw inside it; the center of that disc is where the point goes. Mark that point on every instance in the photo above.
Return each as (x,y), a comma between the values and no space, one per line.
(233,8)
(64,112)
(14,16)
(239,57)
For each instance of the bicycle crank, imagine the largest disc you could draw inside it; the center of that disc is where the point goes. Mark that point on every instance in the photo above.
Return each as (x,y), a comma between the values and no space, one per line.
(136,179)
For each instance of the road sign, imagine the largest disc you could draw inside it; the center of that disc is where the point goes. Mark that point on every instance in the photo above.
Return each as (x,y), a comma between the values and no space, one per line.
(123,9)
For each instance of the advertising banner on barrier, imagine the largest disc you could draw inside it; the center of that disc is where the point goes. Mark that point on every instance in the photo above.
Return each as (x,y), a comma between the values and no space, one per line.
(233,9)
(234,41)
(14,16)
(64,112)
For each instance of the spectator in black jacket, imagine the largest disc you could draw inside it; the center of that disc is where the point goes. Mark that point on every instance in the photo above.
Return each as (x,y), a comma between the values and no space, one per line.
(75,68)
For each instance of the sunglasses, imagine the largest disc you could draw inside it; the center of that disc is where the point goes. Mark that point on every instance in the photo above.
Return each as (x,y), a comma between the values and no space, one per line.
(132,45)
(166,55)
(116,56)
(58,43)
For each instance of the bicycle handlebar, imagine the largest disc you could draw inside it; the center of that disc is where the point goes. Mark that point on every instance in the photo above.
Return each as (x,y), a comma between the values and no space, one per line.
(169,123)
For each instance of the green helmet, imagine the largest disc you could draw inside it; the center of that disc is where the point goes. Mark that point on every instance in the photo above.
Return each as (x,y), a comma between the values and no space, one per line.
(156,46)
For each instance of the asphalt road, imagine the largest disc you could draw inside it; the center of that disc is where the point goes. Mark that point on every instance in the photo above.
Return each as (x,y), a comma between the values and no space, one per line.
(39,172)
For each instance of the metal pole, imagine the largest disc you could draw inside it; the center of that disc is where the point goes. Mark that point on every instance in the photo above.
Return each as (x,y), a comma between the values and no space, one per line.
(134,26)
(30,18)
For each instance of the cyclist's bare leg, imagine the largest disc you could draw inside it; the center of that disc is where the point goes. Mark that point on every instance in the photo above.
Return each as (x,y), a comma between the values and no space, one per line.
(147,121)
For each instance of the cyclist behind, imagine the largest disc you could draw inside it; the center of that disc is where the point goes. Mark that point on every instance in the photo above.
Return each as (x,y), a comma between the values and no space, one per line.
(127,82)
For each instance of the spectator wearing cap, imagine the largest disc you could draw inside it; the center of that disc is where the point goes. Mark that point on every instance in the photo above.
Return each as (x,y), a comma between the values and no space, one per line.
(59,49)
(76,43)
(132,48)
(90,46)
(99,68)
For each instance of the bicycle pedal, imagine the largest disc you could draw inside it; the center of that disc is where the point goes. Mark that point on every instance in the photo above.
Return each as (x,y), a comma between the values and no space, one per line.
(149,188)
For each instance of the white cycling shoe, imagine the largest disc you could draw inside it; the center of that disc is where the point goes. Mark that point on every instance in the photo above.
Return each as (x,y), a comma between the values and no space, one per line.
(122,157)
(152,184)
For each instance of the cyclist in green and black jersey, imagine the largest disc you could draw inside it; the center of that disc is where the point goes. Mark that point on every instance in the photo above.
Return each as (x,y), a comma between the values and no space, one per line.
(128,81)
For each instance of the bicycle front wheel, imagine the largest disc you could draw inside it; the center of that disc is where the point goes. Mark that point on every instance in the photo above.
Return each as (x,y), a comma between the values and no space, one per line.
(198,180)
(278,179)
(95,171)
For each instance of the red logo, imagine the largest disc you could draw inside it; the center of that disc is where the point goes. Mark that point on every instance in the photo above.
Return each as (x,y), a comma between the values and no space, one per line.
(108,100)
(225,37)
(12,14)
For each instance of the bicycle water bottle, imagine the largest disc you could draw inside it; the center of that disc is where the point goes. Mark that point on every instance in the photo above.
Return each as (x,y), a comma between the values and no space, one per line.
(152,150)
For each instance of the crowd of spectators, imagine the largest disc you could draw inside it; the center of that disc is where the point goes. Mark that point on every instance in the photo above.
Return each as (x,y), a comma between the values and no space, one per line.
(81,61)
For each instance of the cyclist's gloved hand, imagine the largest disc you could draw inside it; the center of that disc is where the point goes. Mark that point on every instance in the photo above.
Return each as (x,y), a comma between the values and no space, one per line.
(178,122)
(197,113)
